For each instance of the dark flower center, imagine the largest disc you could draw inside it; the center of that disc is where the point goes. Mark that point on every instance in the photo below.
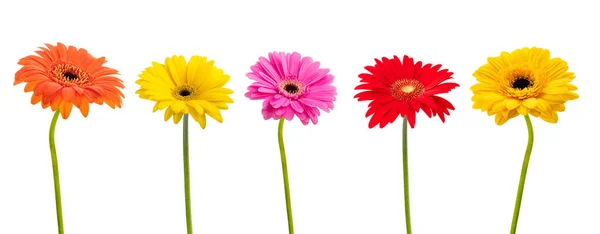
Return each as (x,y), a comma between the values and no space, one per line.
(67,73)
(291,88)
(184,93)
(522,83)
(70,76)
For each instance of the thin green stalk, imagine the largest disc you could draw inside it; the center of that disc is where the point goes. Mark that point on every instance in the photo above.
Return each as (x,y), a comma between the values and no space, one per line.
(286,183)
(405,174)
(59,217)
(513,227)
(186,175)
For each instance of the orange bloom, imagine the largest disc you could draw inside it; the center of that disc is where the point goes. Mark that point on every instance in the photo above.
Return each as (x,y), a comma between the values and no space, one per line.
(61,77)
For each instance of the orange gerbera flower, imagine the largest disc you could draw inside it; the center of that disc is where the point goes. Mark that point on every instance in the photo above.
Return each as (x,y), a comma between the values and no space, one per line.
(61,77)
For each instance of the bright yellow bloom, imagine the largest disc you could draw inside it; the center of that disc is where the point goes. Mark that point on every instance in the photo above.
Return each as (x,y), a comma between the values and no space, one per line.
(194,87)
(525,81)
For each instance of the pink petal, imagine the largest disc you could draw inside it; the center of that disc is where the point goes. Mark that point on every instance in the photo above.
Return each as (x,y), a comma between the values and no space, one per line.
(289,113)
(271,71)
(297,106)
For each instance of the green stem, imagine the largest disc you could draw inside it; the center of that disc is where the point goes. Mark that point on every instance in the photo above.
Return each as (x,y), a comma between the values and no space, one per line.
(186,175)
(405,174)
(513,227)
(286,183)
(55,173)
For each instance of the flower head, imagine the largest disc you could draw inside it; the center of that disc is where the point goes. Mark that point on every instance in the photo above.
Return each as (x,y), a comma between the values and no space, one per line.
(402,88)
(525,81)
(194,87)
(291,85)
(61,76)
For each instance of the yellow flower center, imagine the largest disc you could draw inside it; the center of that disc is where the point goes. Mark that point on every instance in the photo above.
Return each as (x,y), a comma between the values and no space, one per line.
(407,89)
(184,93)
(523,83)
(69,74)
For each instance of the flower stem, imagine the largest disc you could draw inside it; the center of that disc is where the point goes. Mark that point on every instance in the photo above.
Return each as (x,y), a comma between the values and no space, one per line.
(513,228)
(55,173)
(186,175)
(286,183)
(405,174)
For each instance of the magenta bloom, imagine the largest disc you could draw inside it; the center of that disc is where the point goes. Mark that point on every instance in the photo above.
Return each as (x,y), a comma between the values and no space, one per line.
(291,85)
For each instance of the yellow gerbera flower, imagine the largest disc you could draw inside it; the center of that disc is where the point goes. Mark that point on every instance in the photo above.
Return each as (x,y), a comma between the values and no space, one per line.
(525,81)
(194,87)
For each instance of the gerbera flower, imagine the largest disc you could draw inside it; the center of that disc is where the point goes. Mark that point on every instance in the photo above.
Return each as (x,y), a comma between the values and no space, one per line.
(194,87)
(525,81)
(291,85)
(186,88)
(61,77)
(402,88)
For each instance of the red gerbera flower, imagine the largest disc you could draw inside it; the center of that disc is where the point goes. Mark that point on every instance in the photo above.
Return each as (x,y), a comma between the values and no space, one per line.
(402,88)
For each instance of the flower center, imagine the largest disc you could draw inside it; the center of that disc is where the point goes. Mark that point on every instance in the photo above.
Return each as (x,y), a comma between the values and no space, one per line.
(66,73)
(184,92)
(291,88)
(522,83)
(407,89)
(70,76)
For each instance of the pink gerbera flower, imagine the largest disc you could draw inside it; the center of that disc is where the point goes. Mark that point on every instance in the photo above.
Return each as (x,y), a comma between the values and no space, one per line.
(291,85)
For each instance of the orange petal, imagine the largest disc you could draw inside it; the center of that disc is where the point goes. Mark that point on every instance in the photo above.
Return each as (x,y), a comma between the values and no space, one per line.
(65,109)
(47,88)
(35,99)
(84,108)
(68,94)
(62,53)
(55,102)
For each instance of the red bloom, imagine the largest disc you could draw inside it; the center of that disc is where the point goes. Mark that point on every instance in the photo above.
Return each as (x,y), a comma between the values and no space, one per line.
(402,88)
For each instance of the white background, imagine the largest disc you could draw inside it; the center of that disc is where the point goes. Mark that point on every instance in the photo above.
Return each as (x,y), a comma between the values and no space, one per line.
(121,170)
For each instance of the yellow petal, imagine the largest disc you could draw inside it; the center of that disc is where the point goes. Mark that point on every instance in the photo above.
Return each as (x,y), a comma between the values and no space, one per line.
(483,87)
(542,106)
(195,106)
(558,107)
(552,98)
(530,103)
(523,110)
(168,113)
(570,95)
(199,117)
(177,117)
(571,87)
(555,90)
(161,105)
(502,117)
(498,107)
(512,103)
(550,117)
(178,106)
(558,82)
(211,110)
(512,114)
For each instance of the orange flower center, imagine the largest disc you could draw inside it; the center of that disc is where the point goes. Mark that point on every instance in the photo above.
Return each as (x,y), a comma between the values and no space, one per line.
(66,73)
(291,88)
(407,89)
